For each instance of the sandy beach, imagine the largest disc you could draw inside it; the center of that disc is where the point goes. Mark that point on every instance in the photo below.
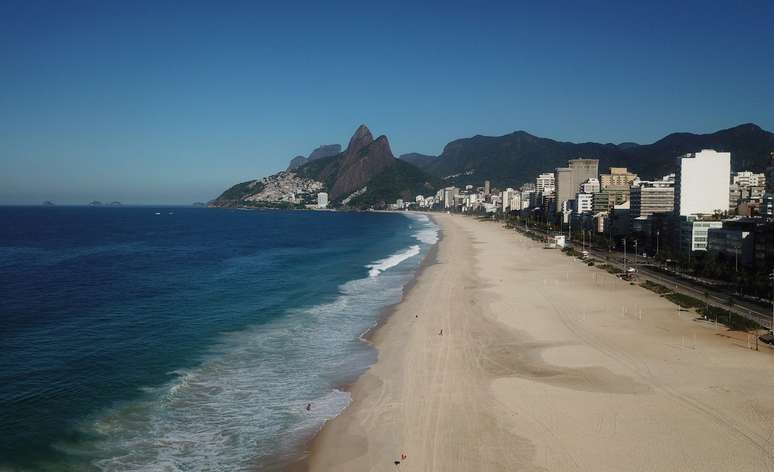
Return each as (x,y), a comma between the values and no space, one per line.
(547,364)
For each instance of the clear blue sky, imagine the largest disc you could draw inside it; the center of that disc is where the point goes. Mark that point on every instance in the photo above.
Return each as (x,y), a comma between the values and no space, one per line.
(171,102)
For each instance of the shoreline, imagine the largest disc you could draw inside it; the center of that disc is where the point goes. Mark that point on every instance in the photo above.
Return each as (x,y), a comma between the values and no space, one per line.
(389,310)
(302,464)
(532,365)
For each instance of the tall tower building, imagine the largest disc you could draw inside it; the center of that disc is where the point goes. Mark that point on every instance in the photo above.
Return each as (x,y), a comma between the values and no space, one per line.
(701,185)
(568,179)
(545,183)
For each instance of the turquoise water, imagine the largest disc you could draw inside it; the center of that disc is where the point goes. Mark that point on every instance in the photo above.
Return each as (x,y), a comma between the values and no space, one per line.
(186,339)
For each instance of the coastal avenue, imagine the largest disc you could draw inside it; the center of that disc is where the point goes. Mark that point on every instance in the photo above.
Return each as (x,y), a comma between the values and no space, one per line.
(758,312)
(745,308)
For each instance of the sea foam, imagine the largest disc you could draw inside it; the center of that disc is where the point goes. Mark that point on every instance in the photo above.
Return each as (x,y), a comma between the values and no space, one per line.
(388,262)
(243,405)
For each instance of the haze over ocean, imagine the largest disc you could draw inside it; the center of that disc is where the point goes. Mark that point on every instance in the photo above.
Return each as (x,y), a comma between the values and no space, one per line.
(138,338)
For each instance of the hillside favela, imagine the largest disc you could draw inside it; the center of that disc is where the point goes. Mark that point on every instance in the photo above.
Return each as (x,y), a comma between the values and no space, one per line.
(386,237)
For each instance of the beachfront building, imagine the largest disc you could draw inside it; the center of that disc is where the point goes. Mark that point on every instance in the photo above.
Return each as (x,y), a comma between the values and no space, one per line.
(515,201)
(584,202)
(526,198)
(694,233)
(322,200)
(748,179)
(568,179)
(767,207)
(449,194)
(614,188)
(651,197)
(608,198)
(734,241)
(701,186)
(590,186)
(507,197)
(544,183)
(617,177)
(746,188)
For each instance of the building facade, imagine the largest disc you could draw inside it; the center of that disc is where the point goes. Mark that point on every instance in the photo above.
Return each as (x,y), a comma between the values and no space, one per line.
(701,186)
(568,179)
(617,177)
(649,197)
(584,202)
(694,233)
(322,200)
(734,240)
(544,183)
(590,186)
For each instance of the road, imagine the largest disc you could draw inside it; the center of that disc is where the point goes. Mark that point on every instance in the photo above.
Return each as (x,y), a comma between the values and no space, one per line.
(759,313)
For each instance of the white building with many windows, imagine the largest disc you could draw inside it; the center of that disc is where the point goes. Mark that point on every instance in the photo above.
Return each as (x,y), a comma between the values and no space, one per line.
(694,234)
(322,200)
(584,202)
(701,186)
(545,183)
(590,186)
(749,179)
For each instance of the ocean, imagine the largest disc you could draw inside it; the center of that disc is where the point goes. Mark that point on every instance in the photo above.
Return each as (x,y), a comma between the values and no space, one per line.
(187,339)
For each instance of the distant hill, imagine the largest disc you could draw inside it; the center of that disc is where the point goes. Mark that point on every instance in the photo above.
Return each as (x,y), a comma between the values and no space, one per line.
(366,174)
(326,150)
(518,157)
(417,159)
(749,145)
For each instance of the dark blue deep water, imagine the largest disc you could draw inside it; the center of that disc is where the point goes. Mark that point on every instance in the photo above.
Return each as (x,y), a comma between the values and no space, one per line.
(186,339)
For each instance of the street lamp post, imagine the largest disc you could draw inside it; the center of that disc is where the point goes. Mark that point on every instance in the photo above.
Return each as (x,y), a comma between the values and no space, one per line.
(658,233)
(635,254)
(609,241)
(624,261)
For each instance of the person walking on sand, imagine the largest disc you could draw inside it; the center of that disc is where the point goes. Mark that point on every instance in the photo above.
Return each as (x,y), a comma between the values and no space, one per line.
(440,333)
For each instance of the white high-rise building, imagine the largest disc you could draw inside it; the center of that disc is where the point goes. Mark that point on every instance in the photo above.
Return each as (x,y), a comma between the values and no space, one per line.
(516,201)
(322,200)
(507,195)
(449,193)
(702,183)
(590,186)
(649,197)
(749,179)
(545,183)
(526,196)
(584,202)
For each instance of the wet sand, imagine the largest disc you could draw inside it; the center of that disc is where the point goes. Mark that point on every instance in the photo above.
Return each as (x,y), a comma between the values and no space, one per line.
(547,364)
